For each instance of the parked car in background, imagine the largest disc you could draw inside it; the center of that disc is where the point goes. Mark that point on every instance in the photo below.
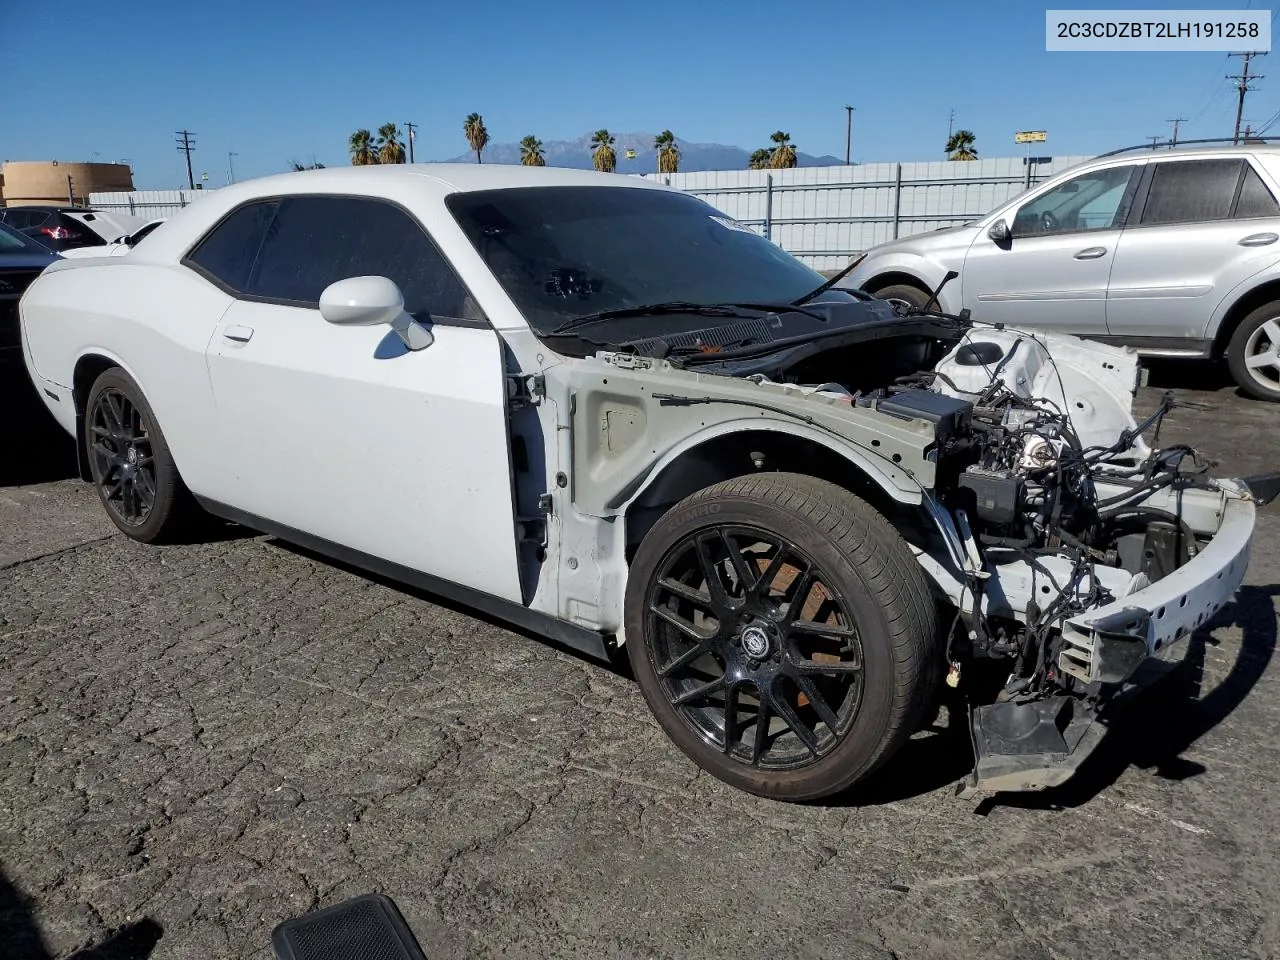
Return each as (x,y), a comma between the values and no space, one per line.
(21,260)
(118,247)
(70,228)
(1173,252)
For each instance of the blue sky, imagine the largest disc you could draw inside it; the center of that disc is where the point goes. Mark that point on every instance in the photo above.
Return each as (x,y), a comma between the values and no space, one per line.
(275,80)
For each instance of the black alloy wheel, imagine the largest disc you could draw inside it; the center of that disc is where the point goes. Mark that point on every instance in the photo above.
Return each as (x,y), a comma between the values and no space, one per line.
(782,633)
(123,461)
(131,466)
(754,646)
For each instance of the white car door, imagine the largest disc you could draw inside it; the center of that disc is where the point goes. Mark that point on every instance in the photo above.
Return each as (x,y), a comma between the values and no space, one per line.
(342,432)
(1206,225)
(1052,271)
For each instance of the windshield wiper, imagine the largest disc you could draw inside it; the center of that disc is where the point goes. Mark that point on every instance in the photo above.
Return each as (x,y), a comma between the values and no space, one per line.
(832,282)
(651,309)
(681,306)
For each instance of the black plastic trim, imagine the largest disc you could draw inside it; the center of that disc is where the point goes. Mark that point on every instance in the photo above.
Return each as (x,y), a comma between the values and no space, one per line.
(571,635)
(346,931)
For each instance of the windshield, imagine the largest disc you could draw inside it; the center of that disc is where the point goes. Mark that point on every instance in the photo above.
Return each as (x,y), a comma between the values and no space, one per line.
(11,241)
(563,252)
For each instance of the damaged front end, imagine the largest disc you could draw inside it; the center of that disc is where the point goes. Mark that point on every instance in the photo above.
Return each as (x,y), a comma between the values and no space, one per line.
(1077,552)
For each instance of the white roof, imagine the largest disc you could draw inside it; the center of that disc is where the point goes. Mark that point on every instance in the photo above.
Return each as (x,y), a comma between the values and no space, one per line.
(446,177)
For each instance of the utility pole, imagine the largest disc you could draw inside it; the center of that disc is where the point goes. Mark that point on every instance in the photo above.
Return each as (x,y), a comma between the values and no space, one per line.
(412,127)
(1175,121)
(231,167)
(950,123)
(1242,86)
(848,132)
(186,145)
(1154,140)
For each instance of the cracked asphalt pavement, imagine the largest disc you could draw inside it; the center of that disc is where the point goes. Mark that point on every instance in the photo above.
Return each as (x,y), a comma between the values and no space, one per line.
(198,742)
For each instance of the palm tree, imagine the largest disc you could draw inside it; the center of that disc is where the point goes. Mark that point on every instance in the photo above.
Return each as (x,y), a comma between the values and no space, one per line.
(531,152)
(783,155)
(602,155)
(297,167)
(477,135)
(390,149)
(668,152)
(361,146)
(960,146)
(759,159)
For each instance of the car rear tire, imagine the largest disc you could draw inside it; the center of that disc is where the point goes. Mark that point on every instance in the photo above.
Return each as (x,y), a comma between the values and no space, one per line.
(783,634)
(132,468)
(1254,353)
(904,294)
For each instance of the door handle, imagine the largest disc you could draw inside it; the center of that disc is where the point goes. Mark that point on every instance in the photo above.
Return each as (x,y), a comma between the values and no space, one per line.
(238,332)
(1259,239)
(1091,253)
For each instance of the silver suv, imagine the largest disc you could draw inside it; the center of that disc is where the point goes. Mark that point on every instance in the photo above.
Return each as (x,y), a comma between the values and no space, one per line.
(1173,252)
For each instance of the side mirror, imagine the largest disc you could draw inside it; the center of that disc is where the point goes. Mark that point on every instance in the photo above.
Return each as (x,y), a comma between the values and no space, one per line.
(369,301)
(1000,232)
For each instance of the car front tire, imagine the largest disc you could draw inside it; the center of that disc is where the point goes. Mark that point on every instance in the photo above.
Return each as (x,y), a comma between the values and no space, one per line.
(783,634)
(904,294)
(1254,353)
(130,463)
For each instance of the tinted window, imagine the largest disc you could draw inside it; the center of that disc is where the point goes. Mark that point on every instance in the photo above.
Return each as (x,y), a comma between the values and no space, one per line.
(1097,200)
(21,219)
(227,252)
(1190,191)
(316,241)
(561,252)
(13,242)
(1255,199)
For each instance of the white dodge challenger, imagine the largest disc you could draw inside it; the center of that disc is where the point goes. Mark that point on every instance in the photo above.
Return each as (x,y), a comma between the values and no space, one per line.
(600,409)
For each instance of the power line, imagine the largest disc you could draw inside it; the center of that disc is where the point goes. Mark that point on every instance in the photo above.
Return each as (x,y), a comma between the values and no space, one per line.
(1243,86)
(1269,124)
(186,145)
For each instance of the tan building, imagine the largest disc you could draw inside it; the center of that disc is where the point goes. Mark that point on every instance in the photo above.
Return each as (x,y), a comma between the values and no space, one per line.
(27,182)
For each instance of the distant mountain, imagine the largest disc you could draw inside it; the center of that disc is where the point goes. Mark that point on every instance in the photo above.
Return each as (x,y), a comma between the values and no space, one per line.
(693,156)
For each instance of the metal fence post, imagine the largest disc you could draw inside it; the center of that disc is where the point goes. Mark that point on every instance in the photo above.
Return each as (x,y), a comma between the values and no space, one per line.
(897,200)
(768,206)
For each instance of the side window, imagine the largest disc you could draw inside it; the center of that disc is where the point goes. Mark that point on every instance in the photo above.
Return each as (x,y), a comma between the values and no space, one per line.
(1098,200)
(1191,191)
(227,252)
(316,241)
(20,219)
(1255,199)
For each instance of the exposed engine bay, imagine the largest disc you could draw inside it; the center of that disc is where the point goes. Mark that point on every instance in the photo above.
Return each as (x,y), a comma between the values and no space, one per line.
(1055,505)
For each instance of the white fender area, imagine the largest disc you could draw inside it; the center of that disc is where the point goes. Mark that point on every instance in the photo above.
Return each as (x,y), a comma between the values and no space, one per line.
(895,482)
(1092,383)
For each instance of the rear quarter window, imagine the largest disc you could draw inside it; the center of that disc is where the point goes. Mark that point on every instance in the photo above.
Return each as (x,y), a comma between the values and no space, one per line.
(226,254)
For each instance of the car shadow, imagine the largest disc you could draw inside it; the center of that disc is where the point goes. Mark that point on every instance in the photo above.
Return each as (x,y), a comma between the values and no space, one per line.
(39,450)
(1151,731)
(20,937)
(1154,729)
(616,663)
(1209,375)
